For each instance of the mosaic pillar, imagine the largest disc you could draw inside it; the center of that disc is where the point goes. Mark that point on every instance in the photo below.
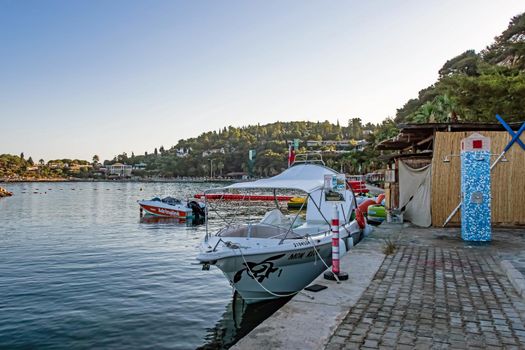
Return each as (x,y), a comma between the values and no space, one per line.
(475,188)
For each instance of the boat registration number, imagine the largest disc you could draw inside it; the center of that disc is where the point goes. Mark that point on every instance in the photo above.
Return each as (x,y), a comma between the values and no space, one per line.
(301,244)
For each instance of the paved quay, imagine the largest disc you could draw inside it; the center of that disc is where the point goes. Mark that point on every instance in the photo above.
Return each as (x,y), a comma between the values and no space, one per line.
(438,292)
(310,318)
(434,292)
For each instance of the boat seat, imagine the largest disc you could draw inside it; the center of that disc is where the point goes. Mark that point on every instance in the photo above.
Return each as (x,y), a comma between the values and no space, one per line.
(311,228)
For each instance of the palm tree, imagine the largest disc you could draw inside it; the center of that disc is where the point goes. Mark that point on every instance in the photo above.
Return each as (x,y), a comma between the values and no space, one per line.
(425,113)
(220,166)
(440,110)
(445,108)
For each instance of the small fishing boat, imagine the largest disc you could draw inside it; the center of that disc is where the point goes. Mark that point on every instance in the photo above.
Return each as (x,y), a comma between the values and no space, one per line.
(173,208)
(280,255)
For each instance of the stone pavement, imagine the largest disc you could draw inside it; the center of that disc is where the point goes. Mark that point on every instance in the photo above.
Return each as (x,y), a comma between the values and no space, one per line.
(310,318)
(437,292)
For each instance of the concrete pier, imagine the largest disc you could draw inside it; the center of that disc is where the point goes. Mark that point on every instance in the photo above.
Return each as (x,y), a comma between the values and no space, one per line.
(434,292)
(310,318)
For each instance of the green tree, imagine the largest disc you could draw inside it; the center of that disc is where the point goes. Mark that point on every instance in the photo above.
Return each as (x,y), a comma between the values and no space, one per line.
(475,87)
(466,63)
(356,128)
(220,166)
(508,48)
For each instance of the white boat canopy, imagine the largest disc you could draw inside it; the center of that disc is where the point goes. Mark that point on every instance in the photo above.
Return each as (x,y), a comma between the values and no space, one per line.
(304,177)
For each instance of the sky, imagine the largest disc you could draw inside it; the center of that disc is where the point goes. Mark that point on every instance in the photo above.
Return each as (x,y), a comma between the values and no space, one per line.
(86,77)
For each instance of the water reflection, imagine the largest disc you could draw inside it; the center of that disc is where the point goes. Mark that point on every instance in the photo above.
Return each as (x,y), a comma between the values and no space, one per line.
(159,220)
(238,320)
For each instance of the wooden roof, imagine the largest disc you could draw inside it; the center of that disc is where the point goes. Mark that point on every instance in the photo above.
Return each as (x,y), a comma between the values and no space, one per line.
(420,136)
(390,157)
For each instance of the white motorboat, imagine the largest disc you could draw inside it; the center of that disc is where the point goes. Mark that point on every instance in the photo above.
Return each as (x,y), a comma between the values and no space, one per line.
(170,207)
(280,255)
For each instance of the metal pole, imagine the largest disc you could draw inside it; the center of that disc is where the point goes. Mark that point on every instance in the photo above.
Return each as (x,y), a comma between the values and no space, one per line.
(335,274)
(335,242)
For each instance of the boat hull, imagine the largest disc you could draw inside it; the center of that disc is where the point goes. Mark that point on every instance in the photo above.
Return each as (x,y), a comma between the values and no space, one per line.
(165,210)
(277,274)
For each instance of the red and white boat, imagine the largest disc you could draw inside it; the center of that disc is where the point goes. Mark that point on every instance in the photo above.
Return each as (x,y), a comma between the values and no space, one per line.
(173,208)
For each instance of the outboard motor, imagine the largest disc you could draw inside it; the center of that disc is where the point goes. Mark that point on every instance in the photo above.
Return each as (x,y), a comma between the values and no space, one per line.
(198,212)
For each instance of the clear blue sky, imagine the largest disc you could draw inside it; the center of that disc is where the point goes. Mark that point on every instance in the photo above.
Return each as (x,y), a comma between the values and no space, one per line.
(85,77)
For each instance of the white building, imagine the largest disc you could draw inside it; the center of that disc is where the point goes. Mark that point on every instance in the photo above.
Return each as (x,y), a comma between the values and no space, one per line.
(139,166)
(183,152)
(119,169)
(213,151)
(342,143)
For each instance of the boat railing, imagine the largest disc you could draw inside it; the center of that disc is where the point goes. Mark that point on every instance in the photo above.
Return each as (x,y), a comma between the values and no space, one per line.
(308,158)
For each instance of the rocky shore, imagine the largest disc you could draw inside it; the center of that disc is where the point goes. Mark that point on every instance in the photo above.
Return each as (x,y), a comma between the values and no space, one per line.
(4,193)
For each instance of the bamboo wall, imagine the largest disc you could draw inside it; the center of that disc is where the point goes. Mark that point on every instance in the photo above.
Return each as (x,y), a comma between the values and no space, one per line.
(508,179)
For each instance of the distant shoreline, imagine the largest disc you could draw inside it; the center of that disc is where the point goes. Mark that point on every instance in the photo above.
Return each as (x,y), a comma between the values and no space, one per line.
(193,180)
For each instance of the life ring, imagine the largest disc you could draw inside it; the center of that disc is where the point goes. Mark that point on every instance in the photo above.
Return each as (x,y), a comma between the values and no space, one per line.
(363,207)
(360,218)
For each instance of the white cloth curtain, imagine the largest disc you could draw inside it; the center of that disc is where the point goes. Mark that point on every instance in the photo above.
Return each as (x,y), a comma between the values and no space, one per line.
(414,193)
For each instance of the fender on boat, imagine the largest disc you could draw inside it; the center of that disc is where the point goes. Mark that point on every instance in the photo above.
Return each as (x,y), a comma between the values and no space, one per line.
(363,207)
(360,218)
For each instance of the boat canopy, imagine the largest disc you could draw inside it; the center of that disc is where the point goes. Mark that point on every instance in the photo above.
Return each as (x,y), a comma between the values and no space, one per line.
(303,177)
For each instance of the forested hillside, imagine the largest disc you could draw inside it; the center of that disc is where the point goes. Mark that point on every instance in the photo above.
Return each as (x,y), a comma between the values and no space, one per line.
(18,167)
(226,150)
(476,86)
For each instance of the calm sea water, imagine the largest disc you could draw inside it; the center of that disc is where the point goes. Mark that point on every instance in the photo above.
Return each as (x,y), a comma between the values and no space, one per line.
(80,269)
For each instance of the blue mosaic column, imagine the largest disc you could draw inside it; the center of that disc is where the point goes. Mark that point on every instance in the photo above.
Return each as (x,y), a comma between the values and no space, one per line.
(475,189)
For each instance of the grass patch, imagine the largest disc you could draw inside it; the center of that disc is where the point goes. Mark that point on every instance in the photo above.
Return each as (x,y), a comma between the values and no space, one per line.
(390,247)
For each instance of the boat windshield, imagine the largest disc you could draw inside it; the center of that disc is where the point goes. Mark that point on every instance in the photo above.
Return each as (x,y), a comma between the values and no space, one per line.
(258,231)
(171,201)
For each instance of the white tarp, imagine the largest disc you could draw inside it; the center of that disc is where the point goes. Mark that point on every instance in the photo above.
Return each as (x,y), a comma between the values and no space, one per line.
(414,193)
(304,177)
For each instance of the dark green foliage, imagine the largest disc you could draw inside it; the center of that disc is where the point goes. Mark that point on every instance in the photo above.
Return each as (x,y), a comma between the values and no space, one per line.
(230,147)
(466,63)
(509,48)
(16,168)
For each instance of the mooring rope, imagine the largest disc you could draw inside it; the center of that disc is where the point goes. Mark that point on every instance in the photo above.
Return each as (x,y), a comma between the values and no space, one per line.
(320,257)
